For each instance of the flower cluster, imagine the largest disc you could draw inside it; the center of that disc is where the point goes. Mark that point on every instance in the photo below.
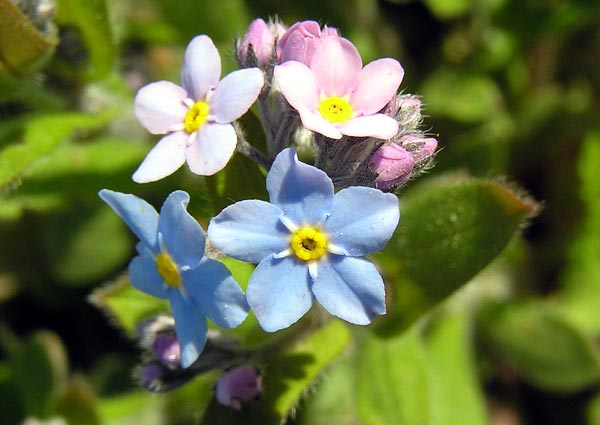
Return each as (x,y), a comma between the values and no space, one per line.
(310,240)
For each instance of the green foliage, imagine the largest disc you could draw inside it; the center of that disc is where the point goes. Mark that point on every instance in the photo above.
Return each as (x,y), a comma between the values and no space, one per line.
(414,378)
(546,348)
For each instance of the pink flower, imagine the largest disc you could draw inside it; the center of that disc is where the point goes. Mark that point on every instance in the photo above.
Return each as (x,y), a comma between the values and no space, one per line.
(196,116)
(301,40)
(336,96)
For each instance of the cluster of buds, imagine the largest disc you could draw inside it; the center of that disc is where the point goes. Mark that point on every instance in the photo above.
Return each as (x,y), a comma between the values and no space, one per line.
(362,132)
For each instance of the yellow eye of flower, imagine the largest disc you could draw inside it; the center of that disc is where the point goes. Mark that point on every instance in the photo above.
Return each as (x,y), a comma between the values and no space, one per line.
(335,109)
(309,243)
(196,116)
(168,270)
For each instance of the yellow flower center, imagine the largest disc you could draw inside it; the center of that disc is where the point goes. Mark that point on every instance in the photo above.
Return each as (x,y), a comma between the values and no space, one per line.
(196,116)
(309,243)
(168,270)
(335,109)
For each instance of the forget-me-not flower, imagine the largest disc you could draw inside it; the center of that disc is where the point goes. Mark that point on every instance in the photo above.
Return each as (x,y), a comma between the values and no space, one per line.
(196,116)
(336,96)
(309,243)
(171,265)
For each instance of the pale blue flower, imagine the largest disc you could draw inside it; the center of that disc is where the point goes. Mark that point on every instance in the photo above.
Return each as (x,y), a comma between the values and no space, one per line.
(171,265)
(309,243)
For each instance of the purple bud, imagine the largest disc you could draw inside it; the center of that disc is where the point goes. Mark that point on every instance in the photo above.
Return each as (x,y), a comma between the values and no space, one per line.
(393,165)
(261,38)
(166,348)
(238,386)
(301,40)
(150,374)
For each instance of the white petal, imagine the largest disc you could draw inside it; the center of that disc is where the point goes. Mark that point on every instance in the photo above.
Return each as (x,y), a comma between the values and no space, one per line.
(201,67)
(235,94)
(164,159)
(212,148)
(159,106)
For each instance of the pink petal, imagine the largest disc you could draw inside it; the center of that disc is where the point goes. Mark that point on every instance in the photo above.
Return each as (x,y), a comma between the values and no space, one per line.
(377,84)
(378,126)
(336,64)
(158,106)
(212,148)
(164,159)
(317,123)
(298,85)
(201,67)
(235,94)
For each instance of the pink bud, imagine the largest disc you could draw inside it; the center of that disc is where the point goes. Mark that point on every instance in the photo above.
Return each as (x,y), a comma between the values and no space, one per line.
(301,40)
(238,386)
(393,165)
(421,148)
(260,36)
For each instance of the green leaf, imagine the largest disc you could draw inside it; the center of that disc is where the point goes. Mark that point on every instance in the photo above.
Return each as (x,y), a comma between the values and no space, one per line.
(85,245)
(40,370)
(77,403)
(92,21)
(463,97)
(450,230)
(287,377)
(42,136)
(447,9)
(580,295)
(134,408)
(125,305)
(423,376)
(547,349)
(23,48)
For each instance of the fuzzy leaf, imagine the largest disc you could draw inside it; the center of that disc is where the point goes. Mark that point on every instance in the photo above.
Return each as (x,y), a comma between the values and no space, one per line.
(547,349)
(451,230)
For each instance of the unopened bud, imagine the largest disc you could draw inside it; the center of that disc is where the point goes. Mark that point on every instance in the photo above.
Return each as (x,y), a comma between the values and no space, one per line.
(422,149)
(256,48)
(167,350)
(393,166)
(238,386)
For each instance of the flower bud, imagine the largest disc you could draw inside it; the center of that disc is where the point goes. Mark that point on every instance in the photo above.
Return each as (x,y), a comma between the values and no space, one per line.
(256,48)
(167,350)
(301,40)
(422,149)
(238,386)
(393,165)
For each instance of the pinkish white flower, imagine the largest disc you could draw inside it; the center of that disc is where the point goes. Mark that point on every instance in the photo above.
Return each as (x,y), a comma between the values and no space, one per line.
(336,96)
(196,116)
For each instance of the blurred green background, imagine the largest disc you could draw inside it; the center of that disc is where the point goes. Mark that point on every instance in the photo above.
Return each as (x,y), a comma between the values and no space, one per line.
(511,89)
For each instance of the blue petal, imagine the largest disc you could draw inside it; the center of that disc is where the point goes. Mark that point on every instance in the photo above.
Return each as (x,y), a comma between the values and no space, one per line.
(139,215)
(213,290)
(249,231)
(182,236)
(362,220)
(144,276)
(190,328)
(303,192)
(350,288)
(201,67)
(279,292)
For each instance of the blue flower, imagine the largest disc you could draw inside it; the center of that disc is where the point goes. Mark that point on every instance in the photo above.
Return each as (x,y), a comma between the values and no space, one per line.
(171,265)
(309,243)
